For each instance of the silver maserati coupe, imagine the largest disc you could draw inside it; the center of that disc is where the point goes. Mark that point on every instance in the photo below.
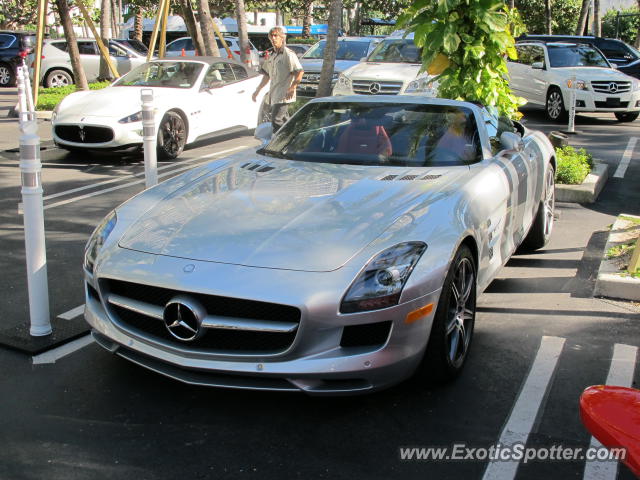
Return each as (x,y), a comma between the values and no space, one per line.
(343,256)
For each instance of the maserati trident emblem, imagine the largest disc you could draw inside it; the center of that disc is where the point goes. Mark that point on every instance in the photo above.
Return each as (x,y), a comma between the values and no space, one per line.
(613,87)
(375,88)
(81,133)
(183,318)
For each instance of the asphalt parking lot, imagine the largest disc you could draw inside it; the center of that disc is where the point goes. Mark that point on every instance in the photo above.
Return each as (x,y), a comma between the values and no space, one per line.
(540,339)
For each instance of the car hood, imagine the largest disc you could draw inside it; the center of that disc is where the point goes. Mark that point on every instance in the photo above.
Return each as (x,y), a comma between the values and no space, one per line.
(115,102)
(313,65)
(599,73)
(284,214)
(384,71)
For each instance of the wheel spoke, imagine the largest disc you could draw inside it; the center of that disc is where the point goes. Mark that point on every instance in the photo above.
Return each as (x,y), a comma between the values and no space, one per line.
(453,344)
(451,326)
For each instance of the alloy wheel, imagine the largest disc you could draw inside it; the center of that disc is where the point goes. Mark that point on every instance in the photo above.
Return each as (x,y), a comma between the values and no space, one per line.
(5,75)
(173,134)
(461,311)
(554,105)
(549,202)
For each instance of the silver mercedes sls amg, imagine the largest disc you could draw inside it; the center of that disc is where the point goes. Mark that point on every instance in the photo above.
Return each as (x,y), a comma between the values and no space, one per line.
(343,256)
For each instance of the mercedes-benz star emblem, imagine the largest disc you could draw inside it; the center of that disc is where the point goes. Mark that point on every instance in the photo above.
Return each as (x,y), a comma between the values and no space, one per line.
(183,318)
(81,133)
(375,88)
(613,87)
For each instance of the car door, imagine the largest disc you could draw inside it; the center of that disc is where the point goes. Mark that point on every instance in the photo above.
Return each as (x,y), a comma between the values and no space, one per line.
(90,59)
(517,71)
(120,57)
(538,75)
(222,98)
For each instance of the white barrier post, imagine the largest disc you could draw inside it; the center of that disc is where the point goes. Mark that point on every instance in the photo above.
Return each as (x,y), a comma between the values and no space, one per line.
(149,139)
(571,128)
(33,213)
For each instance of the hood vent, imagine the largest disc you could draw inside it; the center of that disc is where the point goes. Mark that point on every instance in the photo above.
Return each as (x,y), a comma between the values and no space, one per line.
(408,177)
(258,167)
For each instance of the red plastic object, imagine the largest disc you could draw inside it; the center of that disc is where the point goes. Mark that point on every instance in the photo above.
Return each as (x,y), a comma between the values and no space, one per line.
(612,415)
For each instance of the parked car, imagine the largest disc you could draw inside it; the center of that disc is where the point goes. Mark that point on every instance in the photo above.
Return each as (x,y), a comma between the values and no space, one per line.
(14,46)
(185,45)
(393,67)
(349,52)
(544,73)
(341,257)
(55,66)
(192,98)
(299,48)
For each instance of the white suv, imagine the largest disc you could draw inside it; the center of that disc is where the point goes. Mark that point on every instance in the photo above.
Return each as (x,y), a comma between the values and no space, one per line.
(393,67)
(544,73)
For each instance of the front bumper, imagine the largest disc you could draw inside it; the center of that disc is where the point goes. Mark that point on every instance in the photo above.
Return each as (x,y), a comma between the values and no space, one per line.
(97,133)
(317,362)
(588,101)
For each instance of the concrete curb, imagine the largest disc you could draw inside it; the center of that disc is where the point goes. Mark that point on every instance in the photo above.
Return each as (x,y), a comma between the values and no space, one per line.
(587,191)
(609,282)
(43,114)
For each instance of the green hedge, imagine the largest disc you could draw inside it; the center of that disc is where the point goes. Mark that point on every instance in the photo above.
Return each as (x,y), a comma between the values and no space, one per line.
(573,165)
(48,98)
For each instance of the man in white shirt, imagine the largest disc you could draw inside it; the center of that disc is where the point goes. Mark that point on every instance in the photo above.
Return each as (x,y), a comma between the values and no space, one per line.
(284,71)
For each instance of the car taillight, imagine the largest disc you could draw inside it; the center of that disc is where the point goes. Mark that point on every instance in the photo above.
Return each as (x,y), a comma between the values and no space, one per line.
(23,53)
(237,52)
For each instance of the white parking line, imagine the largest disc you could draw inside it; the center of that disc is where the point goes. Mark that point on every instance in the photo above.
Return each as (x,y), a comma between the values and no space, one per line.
(526,408)
(623,365)
(129,184)
(73,313)
(51,356)
(626,158)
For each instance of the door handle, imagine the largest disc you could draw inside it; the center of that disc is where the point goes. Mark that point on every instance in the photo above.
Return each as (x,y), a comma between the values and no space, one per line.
(241,91)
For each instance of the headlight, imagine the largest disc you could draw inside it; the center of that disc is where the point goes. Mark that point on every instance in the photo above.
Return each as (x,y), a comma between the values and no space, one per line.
(579,85)
(97,239)
(380,283)
(423,86)
(136,117)
(54,114)
(344,81)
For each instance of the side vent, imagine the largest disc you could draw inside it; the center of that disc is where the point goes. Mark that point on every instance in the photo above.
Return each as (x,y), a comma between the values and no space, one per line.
(257,167)
(388,178)
(409,177)
(430,177)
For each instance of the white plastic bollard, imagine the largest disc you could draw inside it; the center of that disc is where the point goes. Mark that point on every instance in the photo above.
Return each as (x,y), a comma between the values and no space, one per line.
(33,211)
(22,106)
(149,138)
(571,128)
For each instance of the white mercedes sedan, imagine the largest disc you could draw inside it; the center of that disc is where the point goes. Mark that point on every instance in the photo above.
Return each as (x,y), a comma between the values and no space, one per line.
(193,98)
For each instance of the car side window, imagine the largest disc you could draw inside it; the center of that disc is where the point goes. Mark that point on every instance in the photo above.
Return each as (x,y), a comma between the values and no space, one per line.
(87,48)
(537,55)
(6,40)
(219,74)
(116,51)
(240,72)
(178,45)
(613,50)
(523,54)
(61,46)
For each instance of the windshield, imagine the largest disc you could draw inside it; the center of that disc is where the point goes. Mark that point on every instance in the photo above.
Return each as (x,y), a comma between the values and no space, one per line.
(162,74)
(345,50)
(575,56)
(396,51)
(396,134)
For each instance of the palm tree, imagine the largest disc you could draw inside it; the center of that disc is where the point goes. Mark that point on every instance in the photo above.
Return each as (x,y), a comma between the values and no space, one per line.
(193,27)
(76,65)
(206,27)
(582,20)
(326,74)
(597,27)
(243,36)
(547,11)
(105,33)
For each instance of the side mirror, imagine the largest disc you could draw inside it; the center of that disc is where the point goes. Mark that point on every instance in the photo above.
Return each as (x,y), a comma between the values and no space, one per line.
(511,141)
(215,84)
(264,132)
(538,65)
(614,66)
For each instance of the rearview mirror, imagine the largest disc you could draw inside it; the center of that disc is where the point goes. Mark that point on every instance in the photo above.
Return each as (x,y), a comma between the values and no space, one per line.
(511,141)
(264,132)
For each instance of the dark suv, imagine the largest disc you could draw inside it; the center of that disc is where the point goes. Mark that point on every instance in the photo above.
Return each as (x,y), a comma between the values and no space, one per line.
(625,57)
(14,46)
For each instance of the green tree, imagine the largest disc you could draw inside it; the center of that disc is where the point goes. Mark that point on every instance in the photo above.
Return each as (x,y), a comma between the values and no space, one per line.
(16,14)
(468,40)
(564,15)
(628,28)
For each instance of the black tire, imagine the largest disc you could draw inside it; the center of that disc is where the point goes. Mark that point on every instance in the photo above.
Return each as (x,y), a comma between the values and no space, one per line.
(554,106)
(172,136)
(58,78)
(453,322)
(7,76)
(626,116)
(542,226)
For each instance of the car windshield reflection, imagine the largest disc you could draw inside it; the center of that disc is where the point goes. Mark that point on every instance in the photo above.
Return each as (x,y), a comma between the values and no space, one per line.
(396,51)
(415,135)
(345,50)
(162,74)
(575,56)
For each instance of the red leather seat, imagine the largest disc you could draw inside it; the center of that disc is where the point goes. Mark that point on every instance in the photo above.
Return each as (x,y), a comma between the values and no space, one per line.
(365,139)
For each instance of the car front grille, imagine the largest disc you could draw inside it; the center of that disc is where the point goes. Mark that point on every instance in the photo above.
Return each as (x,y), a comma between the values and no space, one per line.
(134,302)
(84,133)
(610,104)
(611,88)
(367,87)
